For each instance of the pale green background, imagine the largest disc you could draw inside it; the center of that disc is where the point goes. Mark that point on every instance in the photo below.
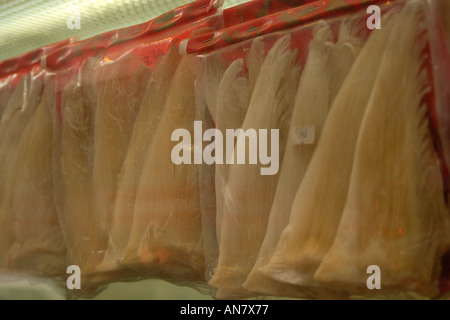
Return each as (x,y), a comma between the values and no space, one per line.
(142,290)
(29,24)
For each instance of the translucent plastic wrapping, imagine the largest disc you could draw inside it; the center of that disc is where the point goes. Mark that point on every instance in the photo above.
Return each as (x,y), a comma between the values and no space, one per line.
(32,243)
(276,149)
(114,103)
(362,180)
(395,196)
(326,67)
(152,105)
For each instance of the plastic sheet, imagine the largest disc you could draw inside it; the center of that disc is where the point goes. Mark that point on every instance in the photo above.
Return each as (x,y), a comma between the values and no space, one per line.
(274,149)
(325,208)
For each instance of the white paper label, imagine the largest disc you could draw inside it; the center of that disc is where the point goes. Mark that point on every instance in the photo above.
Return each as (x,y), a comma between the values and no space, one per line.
(303,134)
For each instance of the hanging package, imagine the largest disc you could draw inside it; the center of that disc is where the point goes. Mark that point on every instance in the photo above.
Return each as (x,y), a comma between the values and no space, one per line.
(294,233)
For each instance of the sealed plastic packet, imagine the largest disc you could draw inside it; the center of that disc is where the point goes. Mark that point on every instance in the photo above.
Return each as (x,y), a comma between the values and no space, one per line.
(207,85)
(72,162)
(166,236)
(297,259)
(395,216)
(228,110)
(243,206)
(37,243)
(98,106)
(148,117)
(32,243)
(230,102)
(317,206)
(115,114)
(327,65)
(152,248)
(114,86)
(8,143)
(100,163)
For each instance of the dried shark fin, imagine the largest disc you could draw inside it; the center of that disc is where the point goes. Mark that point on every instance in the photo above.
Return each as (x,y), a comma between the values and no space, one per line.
(232,103)
(248,195)
(117,107)
(147,121)
(39,247)
(254,61)
(214,70)
(91,86)
(320,199)
(15,118)
(15,102)
(73,152)
(233,100)
(72,166)
(351,28)
(17,114)
(311,108)
(395,216)
(166,236)
(73,162)
(343,56)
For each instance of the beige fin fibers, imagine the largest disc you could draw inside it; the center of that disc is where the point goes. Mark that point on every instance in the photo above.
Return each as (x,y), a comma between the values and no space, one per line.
(15,118)
(15,102)
(233,101)
(117,107)
(73,155)
(166,236)
(17,115)
(311,108)
(214,70)
(72,161)
(147,121)
(38,247)
(343,56)
(395,215)
(254,61)
(232,104)
(90,86)
(320,199)
(248,195)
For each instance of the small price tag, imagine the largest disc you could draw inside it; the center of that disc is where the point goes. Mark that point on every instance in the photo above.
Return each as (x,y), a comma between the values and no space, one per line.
(303,134)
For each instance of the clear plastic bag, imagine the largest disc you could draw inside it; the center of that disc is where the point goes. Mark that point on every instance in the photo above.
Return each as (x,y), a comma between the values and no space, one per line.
(299,256)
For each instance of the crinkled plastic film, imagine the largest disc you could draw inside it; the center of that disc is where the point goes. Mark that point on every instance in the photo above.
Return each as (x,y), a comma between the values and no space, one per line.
(32,244)
(109,99)
(286,242)
(352,171)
